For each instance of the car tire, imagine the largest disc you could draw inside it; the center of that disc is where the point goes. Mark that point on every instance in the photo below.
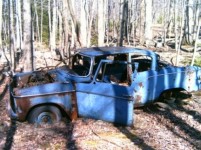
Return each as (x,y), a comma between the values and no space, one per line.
(44,114)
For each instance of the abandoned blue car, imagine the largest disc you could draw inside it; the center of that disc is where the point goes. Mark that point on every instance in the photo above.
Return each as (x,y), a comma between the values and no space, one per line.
(103,83)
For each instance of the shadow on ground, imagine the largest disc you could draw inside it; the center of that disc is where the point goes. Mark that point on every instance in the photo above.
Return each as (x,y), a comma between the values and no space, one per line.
(186,130)
(135,139)
(10,135)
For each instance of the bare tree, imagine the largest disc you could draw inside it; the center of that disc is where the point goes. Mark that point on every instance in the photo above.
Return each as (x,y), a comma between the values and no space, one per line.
(189,22)
(37,21)
(1,4)
(83,22)
(101,22)
(41,21)
(142,22)
(196,40)
(60,27)
(170,17)
(52,24)
(65,29)
(27,32)
(18,25)
(49,22)
(196,18)
(181,30)
(75,23)
(90,16)
(124,19)
(5,23)
(148,21)
(114,18)
(135,18)
(11,34)
(176,24)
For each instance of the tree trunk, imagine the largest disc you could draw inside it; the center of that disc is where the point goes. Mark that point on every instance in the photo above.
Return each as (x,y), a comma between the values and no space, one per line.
(49,22)
(181,31)
(148,21)
(165,20)
(90,20)
(28,51)
(18,25)
(83,23)
(101,22)
(1,5)
(37,24)
(142,22)
(60,29)
(11,33)
(41,22)
(134,24)
(66,30)
(124,19)
(176,24)
(5,23)
(53,28)
(76,24)
(114,21)
(196,42)
(108,21)
(73,36)
(170,18)
(196,19)
(189,22)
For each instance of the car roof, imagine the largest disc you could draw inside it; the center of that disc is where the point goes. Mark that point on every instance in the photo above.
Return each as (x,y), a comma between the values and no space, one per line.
(100,51)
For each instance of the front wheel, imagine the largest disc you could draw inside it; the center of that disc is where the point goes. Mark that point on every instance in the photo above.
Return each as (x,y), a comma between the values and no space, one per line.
(44,114)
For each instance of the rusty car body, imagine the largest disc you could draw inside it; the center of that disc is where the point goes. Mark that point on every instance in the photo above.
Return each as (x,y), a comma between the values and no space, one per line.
(103,83)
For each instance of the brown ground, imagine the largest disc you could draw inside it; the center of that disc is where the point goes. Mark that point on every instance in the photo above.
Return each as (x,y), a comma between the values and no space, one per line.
(173,126)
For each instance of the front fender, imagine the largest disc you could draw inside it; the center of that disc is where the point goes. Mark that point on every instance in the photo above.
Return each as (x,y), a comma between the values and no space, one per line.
(59,94)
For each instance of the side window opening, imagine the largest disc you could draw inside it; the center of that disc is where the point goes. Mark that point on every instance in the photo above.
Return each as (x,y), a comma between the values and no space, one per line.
(144,62)
(114,73)
(113,57)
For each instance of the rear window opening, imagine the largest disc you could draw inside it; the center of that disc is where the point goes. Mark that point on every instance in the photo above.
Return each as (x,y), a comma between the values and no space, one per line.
(81,65)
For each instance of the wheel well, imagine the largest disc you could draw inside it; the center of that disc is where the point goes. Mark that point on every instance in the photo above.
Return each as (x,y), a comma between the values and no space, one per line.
(64,114)
(169,92)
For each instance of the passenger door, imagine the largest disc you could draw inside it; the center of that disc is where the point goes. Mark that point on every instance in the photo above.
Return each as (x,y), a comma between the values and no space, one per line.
(110,96)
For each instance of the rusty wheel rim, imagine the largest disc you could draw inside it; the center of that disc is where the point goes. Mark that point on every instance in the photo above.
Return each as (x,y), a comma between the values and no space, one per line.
(46,117)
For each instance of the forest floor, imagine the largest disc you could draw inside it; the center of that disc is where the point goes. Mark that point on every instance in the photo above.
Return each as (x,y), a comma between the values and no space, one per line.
(175,125)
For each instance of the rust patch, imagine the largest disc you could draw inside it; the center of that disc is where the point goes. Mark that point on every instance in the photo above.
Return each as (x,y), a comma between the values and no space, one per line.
(138,98)
(21,82)
(141,85)
(190,73)
(74,112)
(24,106)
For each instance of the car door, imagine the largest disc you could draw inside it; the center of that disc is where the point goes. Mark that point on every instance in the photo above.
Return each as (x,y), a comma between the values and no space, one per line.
(109,96)
(145,80)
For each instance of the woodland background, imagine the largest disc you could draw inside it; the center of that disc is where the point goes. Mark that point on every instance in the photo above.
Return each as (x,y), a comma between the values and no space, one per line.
(32,31)
(31,26)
